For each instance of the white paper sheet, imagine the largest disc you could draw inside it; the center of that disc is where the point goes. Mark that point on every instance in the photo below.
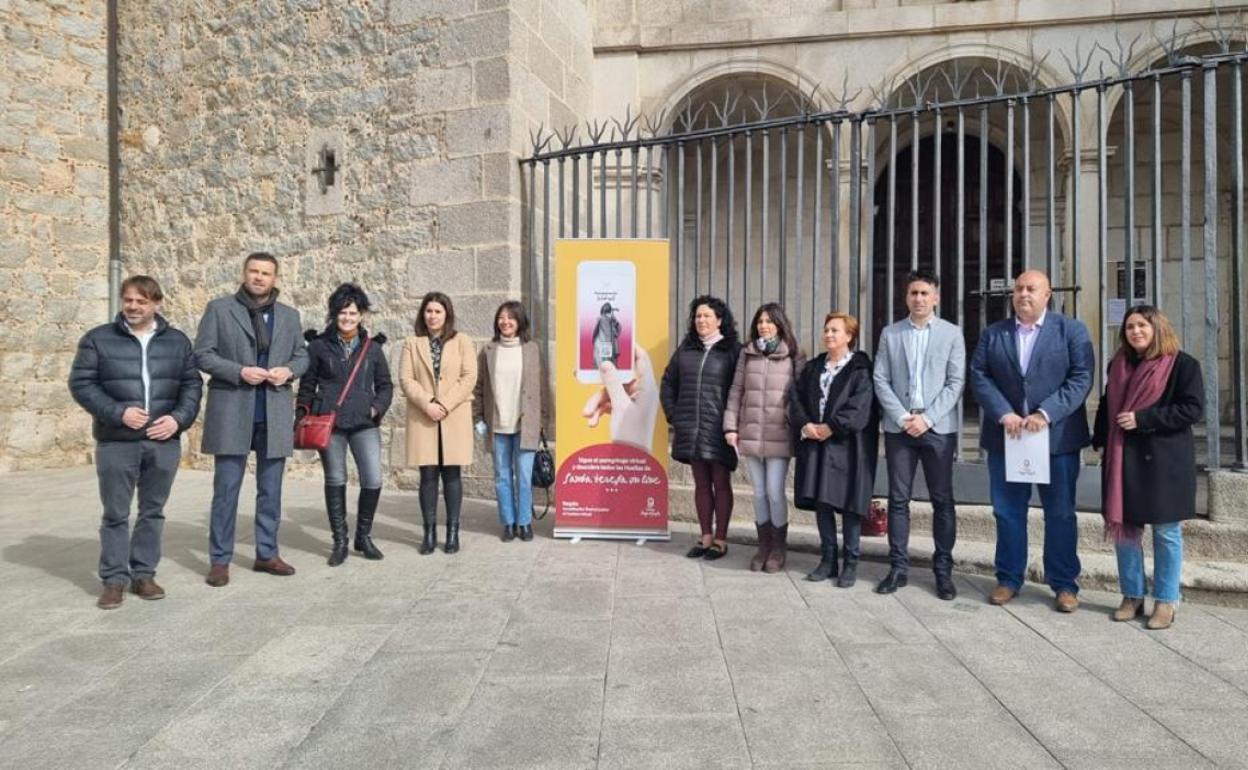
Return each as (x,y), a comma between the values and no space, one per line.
(1027,457)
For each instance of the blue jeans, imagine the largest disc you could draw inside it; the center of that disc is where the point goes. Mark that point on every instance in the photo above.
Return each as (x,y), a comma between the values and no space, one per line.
(513,480)
(768,475)
(1061,528)
(227,481)
(365,447)
(1167,564)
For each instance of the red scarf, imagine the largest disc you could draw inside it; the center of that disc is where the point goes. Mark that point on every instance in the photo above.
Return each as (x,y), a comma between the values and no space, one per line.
(1132,387)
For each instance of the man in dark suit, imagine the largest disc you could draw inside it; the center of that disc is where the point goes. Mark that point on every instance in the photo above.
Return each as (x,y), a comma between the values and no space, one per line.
(1031,371)
(251,346)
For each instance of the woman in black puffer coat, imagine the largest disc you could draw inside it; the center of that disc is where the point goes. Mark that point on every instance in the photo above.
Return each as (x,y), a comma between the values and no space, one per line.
(694,393)
(332,354)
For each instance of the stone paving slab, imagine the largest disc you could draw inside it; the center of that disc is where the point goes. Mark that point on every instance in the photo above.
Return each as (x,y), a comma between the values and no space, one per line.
(552,654)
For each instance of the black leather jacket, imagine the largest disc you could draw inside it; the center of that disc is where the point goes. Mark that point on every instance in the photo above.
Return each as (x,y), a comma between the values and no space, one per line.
(107,377)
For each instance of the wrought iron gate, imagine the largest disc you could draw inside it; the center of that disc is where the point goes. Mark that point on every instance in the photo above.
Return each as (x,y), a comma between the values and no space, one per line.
(812,220)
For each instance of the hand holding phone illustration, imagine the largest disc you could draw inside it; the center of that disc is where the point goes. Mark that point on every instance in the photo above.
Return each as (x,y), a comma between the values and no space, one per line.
(633,405)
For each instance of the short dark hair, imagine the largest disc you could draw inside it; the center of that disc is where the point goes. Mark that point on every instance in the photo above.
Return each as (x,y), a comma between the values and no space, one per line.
(925,276)
(516,311)
(261,256)
(727,324)
(448,331)
(145,285)
(347,294)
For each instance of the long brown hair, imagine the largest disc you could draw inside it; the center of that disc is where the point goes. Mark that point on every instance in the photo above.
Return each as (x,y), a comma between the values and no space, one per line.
(1165,341)
(448,329)
(784,329)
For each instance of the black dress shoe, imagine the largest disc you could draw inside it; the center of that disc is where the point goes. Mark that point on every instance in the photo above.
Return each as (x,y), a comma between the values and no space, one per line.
(697,552)
(509,533)
(945,589)
(525,532)
(895,579)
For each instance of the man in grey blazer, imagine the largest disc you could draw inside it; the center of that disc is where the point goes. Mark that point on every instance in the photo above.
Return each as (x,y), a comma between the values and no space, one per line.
(919,373)
(252,348)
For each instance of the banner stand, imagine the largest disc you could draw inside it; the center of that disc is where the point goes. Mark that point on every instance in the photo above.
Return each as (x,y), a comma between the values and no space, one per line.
(611,344)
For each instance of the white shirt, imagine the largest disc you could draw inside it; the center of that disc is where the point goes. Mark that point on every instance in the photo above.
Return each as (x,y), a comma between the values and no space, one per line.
(919,337)
(144,339)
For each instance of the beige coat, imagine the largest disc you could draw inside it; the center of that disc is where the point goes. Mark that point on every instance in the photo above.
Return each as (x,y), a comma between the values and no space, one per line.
(453,391)
(758,401)
(534,393)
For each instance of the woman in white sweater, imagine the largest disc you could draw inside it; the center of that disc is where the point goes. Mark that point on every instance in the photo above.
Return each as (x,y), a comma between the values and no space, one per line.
(511,406)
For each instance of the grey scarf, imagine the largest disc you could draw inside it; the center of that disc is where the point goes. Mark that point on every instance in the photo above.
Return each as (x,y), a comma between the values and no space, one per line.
(257,310)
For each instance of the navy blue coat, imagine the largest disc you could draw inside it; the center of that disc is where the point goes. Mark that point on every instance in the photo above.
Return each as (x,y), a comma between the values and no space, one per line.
(1058,381)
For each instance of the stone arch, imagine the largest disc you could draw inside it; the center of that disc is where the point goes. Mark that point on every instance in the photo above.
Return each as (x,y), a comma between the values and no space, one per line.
(764,70)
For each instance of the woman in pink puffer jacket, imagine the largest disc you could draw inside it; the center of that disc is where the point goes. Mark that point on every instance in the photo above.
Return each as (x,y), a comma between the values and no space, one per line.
(756,423)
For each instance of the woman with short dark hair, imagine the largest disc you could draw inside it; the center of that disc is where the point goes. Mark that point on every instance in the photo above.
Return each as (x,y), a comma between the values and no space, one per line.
(332,353)
(1154,394)
(835,422)
(511,406)
(438,371)
(693,394)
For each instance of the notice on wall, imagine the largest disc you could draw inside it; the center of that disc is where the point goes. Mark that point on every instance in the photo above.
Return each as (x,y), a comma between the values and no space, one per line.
(611,321)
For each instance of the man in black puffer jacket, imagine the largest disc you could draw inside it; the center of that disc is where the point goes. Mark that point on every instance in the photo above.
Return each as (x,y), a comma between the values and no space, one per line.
(137,377)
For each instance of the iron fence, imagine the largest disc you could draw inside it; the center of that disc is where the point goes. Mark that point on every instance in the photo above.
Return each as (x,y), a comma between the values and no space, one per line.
(830,208)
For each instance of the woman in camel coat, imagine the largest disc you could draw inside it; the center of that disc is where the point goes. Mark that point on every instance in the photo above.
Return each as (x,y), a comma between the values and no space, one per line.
(438,371)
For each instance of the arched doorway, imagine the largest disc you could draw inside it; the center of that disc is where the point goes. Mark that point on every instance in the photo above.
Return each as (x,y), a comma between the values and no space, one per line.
(967,291)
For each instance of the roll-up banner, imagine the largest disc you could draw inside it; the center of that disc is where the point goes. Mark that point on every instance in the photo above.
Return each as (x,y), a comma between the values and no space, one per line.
(611,342)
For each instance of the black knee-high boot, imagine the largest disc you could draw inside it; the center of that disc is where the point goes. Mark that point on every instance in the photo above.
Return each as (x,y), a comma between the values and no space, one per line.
(364,523)
(453,489)
(336,507)
(429,508)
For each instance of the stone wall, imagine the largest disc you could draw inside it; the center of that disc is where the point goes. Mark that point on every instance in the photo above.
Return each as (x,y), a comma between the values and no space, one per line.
(431,102)
(53,220)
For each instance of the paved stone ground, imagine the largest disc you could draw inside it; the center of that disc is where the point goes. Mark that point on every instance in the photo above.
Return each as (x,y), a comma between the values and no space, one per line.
(553,654)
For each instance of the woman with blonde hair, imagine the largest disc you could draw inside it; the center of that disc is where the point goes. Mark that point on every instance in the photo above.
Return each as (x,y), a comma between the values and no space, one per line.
(1154,394)
(834,417)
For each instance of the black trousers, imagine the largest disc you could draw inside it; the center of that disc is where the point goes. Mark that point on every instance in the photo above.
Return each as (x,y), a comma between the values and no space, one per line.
(903,453)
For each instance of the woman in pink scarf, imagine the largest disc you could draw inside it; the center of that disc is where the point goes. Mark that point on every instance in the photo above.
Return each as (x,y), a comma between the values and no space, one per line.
(1154,394)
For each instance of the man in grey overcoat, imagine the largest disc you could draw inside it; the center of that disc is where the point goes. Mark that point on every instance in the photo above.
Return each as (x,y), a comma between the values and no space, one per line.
(251,346)
(920,370)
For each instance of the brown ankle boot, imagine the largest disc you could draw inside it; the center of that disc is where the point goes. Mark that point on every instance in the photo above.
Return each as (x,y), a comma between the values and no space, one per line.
(1163,616)
(1128,610)
(779,541)
(765,534)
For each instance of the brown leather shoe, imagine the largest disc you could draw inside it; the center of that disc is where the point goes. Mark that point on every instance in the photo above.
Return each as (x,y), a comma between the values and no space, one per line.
(1163,616)
(274,566)
(1001,595)
(1128,610)
(218,575)
(111,597)
(146,588)
(1066,602)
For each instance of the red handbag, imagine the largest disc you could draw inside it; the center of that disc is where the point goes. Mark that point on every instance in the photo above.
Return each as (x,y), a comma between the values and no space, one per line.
(875,523)
(313,431)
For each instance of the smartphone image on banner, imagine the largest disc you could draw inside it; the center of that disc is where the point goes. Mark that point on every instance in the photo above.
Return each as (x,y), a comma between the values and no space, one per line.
(606,302)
